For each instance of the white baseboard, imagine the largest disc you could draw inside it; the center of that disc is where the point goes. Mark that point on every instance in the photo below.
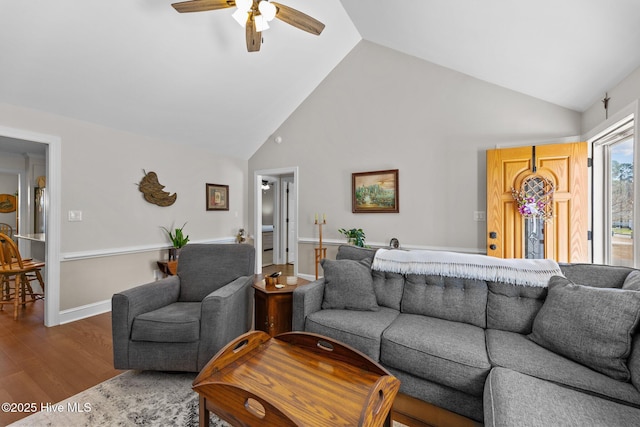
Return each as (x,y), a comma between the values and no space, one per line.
(84,311)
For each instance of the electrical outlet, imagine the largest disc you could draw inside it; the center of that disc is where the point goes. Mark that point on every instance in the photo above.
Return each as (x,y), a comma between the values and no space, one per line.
(479,216)
(75,216)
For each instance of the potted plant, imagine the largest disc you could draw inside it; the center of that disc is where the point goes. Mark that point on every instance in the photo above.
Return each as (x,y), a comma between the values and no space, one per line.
(355,236)
(178,240)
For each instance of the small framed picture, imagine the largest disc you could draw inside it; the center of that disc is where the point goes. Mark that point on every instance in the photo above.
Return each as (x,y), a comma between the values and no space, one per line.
(375,192)
(217,197)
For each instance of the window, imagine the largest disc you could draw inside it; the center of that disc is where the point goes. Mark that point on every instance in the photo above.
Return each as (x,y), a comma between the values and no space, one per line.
(613,198)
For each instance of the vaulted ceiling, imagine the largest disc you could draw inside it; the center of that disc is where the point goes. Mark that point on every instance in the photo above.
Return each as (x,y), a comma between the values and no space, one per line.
(139,66)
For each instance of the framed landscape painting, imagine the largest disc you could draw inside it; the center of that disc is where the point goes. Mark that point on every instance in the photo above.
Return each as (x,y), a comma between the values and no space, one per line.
(217,197)
(375,192)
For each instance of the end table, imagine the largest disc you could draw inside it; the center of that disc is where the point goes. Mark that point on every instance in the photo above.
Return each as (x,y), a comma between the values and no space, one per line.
(168,268)
(274,306)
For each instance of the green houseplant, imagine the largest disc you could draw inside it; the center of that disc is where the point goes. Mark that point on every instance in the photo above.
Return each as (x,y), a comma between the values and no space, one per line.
(178,240)
(355,236)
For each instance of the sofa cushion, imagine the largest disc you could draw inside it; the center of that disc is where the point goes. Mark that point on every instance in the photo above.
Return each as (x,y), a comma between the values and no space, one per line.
(514,351)
(359,329)
(449,353)
(177,322)
(513,307)
(204,268)
(514,399)
(348,285)
(388,288)
(592,326)
(634,360)
(355,253)
(632,283)
(596,275)
(440,395)
(448,298)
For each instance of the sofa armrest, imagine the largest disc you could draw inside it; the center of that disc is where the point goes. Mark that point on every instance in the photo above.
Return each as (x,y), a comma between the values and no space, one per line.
(226,313)
(307,299)
(128,304)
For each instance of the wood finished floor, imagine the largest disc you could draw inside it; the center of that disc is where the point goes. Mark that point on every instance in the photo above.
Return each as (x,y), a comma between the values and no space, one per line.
(40,364)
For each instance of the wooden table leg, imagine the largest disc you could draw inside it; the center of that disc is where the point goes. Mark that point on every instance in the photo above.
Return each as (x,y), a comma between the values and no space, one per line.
(204,412)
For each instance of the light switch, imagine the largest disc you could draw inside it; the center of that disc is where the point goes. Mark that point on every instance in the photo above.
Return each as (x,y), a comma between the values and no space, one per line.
(479,216)
(75,216)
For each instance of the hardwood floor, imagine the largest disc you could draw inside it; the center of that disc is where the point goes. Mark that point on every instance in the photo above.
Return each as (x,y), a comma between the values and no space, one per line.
(46,365)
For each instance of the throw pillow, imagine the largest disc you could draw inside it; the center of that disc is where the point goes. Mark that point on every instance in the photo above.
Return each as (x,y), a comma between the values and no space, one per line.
(592,326)
(632,282)
(355,253)
(348,284)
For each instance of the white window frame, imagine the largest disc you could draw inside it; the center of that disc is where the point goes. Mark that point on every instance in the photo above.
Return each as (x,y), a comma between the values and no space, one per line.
(599,180)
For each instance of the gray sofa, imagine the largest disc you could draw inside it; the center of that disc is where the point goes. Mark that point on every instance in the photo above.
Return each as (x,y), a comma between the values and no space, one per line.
(494,352)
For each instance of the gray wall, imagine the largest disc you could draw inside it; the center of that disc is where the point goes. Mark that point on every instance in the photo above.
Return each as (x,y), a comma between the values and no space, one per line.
(381,109)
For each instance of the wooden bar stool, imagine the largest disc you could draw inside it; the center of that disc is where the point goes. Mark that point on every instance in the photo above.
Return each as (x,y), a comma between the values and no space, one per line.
(17,275)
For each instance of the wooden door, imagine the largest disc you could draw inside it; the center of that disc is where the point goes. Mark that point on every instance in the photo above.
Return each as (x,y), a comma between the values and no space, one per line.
(565,165)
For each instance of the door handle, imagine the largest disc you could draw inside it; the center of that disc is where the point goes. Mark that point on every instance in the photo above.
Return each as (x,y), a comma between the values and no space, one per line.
(493,247)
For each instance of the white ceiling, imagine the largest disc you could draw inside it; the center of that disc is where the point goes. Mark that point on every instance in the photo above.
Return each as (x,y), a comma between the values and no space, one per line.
(568,52)
(139,66)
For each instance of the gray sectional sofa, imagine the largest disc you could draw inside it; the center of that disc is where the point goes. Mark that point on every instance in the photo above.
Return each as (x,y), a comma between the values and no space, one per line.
(501,354)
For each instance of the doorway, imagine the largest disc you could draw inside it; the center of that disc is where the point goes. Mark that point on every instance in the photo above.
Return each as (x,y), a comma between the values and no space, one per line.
(561,231)
(26,140)
(276,218)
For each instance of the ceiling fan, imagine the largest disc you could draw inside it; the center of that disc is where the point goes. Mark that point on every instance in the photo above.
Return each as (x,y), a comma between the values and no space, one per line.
(254,15)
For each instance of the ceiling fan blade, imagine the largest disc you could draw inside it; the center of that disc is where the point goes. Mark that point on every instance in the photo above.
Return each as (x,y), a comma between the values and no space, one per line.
(254,38)
(202,5)
(298,19)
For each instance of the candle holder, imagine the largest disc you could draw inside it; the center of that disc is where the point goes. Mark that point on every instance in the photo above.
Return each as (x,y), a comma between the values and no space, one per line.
(321,252)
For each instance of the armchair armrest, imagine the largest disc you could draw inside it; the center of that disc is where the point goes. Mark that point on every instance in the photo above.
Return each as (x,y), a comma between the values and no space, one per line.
(226,313)
(307,299)
(128,304)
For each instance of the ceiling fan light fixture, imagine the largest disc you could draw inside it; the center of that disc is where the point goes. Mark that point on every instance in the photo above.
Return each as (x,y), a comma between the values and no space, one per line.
(254,16)
(244,5)
(267,10)
(240,17)
(261,23)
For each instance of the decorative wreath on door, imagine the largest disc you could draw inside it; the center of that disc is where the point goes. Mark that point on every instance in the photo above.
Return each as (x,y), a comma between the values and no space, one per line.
(535,197)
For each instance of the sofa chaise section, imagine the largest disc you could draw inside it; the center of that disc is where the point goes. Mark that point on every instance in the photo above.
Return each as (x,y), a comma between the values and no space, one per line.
(515,399)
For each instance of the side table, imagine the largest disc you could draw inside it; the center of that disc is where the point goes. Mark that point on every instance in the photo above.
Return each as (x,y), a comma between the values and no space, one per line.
(274,306)
(168,268)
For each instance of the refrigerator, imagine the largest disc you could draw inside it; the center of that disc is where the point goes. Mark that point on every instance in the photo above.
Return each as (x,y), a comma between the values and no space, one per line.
(39,210)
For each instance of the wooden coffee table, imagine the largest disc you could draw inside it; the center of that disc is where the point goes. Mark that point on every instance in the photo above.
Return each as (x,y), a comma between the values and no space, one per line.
(294,379)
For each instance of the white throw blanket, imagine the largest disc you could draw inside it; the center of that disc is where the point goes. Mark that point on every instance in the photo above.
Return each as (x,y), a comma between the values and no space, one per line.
(517,271)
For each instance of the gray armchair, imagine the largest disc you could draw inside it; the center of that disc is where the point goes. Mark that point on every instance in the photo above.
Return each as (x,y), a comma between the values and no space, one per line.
(180,322)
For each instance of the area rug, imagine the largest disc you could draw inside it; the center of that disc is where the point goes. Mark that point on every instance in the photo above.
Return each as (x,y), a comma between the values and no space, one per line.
(134,398)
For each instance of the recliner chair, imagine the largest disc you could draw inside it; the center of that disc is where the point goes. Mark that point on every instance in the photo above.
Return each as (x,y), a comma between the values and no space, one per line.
(180,322)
